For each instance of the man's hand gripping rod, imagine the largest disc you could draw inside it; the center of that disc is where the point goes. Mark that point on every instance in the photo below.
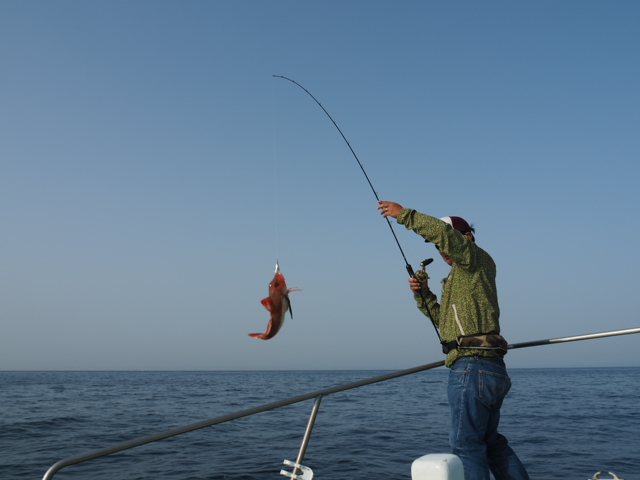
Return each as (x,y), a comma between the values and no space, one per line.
(422,277)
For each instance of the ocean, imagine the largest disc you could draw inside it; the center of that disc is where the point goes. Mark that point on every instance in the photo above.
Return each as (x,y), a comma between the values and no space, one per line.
(564,423)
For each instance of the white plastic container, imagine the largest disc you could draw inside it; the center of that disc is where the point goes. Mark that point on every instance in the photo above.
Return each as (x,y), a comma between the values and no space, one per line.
(437,466)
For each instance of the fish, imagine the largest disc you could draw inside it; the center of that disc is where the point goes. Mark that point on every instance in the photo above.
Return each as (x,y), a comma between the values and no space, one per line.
(277,303)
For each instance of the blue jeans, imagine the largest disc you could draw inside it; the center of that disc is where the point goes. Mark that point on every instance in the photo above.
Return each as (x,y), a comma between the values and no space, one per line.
(477,387)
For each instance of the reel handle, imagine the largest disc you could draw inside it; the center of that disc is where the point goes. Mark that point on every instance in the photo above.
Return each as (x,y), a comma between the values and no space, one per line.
(426,262)
(422,275)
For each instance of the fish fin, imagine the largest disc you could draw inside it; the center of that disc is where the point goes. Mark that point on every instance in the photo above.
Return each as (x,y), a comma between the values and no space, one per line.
(286,295)
(294,289)
(257,335)
(268,303)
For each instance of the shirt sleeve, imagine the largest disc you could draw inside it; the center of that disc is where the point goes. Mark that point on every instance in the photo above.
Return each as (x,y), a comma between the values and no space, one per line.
(429,306)
(453,243)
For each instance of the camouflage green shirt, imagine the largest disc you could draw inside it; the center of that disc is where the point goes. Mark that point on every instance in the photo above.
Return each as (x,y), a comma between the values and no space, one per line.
(469,296)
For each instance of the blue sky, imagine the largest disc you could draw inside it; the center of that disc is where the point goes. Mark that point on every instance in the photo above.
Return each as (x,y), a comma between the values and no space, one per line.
(153,170)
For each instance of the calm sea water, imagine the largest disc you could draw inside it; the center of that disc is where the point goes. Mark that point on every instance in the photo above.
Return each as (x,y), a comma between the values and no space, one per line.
(563,423)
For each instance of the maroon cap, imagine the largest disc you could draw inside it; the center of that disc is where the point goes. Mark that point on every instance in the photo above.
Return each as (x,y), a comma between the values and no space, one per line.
(458,223)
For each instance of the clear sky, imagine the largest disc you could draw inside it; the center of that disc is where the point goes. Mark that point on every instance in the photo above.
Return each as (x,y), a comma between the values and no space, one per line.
(152,170)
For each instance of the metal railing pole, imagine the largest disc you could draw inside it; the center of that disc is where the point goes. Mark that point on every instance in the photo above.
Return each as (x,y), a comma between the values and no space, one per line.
(300,398)
(307,433)
(225,418)
(575,338)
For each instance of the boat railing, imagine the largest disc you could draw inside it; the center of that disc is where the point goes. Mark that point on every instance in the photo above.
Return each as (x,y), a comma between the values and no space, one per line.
(317,395)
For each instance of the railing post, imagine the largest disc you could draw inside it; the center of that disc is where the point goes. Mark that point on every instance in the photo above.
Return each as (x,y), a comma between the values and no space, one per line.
(307,434)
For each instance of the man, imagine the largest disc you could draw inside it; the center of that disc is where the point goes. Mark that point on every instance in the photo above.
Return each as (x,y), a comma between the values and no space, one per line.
(467,318)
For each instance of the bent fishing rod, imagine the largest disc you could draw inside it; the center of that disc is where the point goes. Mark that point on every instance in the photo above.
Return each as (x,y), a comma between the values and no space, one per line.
(407,265)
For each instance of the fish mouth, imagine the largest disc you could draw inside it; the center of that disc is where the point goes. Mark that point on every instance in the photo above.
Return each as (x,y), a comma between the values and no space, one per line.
(277,267)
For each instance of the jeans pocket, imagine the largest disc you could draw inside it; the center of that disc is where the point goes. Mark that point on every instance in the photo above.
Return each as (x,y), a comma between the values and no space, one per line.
(493,387)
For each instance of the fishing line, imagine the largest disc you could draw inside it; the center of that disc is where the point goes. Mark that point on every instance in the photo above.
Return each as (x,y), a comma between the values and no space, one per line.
(407,265)
(275,166)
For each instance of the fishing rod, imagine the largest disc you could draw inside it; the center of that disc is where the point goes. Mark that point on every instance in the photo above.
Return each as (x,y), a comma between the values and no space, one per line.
(423,277)
(407,265)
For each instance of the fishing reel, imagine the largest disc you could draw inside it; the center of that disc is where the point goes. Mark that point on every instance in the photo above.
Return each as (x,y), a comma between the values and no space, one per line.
(421,275)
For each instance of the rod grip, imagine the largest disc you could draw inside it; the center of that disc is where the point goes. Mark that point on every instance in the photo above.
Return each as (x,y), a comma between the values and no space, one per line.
(410,271)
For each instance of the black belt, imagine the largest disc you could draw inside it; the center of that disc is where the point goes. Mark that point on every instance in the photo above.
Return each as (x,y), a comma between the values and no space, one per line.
(480,341)
(448,346)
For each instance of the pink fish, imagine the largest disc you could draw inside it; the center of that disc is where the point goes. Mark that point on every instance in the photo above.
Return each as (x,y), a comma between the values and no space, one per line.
(277,303)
